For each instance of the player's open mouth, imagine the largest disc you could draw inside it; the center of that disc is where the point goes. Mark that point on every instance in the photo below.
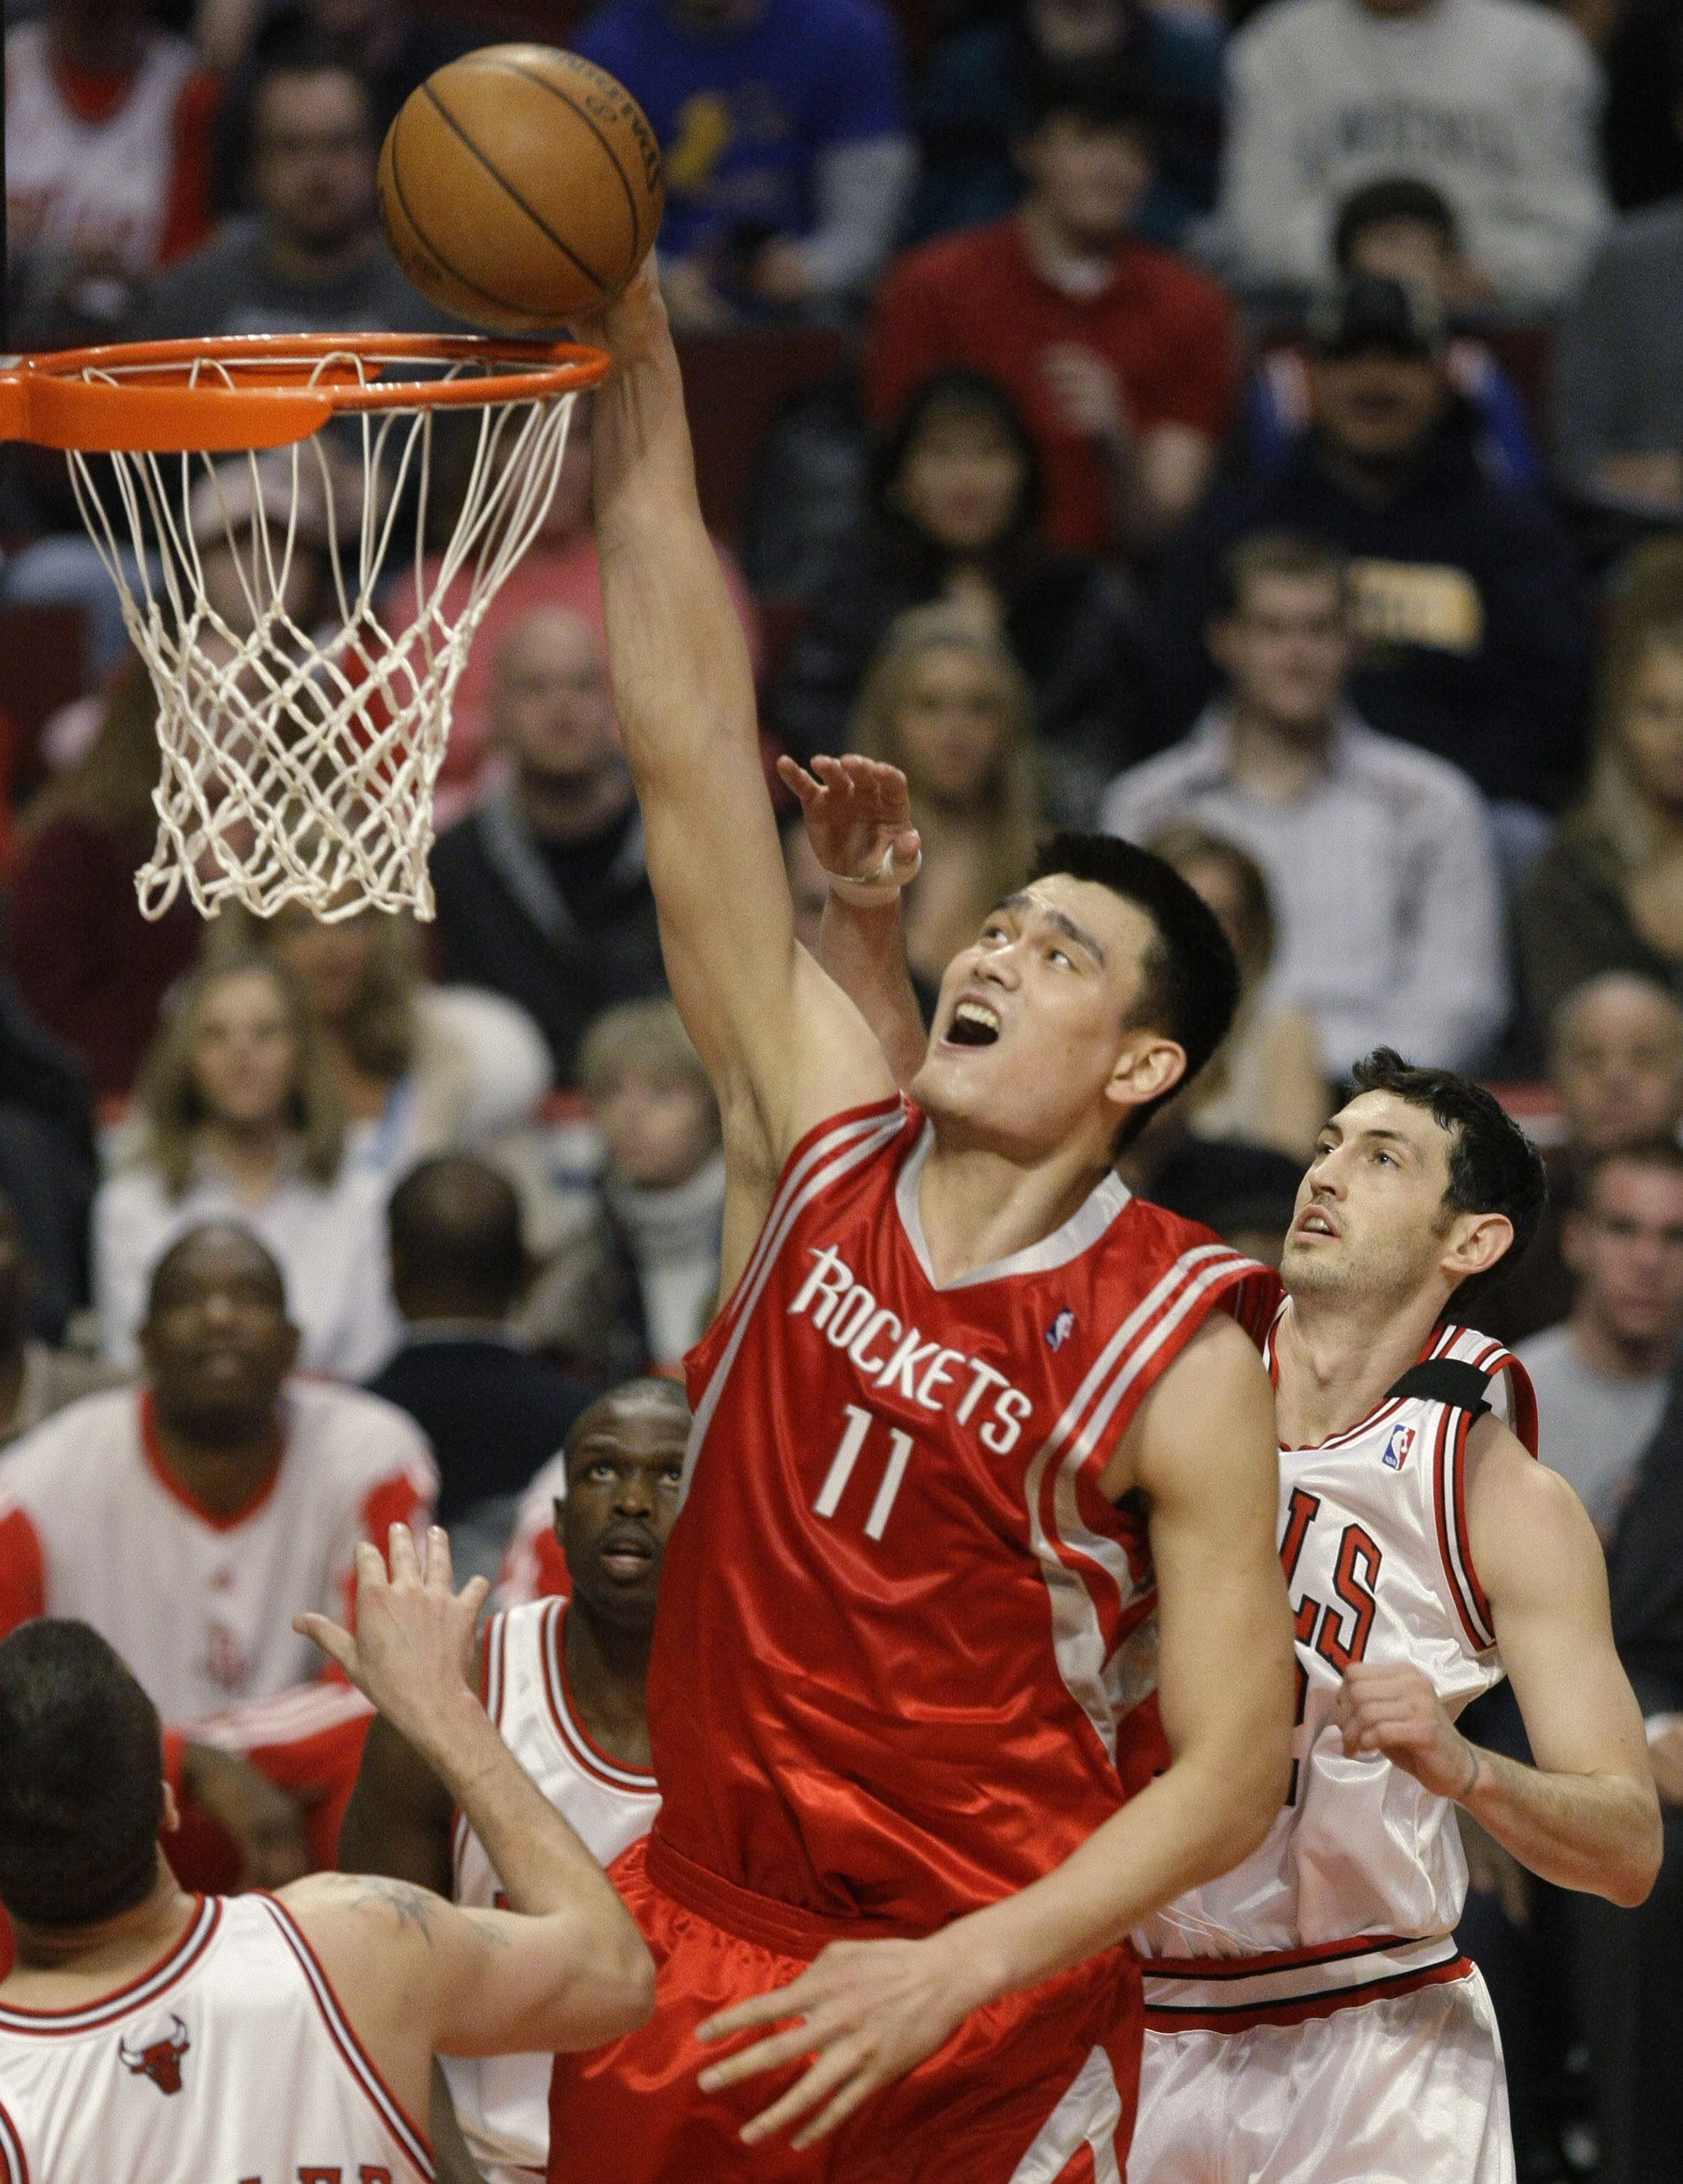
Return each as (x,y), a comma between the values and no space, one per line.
(973,1024)
(626,1557)
(1314,1223)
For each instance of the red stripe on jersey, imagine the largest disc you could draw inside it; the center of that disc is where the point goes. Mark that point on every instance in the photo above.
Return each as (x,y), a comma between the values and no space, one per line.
(1443,1503)
(13,2161)
(1270,1960)
(173,1966)
(1480,1605)
(1164,2018)
(159,1464)
(356,2059)
(23,1571)
(615,1774)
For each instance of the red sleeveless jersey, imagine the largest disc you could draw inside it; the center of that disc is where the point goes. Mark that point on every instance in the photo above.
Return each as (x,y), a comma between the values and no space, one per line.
(903,1658)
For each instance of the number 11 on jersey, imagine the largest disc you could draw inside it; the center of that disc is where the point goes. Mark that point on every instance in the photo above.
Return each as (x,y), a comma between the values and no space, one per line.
(849,1449)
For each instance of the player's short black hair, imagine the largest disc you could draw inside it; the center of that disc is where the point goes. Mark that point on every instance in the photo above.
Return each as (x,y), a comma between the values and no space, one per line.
(1493,1166)
(1103,95)
(81,1777)
(453,1225)
(1191,973)
(1392,197)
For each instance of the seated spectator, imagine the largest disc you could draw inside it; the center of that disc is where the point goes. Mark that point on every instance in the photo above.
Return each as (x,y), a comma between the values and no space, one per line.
(559,569)
(90,966)
(1399,228)
(970,104)
(239,1120)
(542,891)
(945,703)
(954,502)
(1265,1084)
(35,1380)
(492,1414)
(108,165)
(1615,1065)
(637,1284)
(1377,857)
(1469,602)
(1493,103)
(1606,895)
(390,46)
(1624,1962)
(420,1069)
(190,1520)
(1603,1375)
(1120,356)
(311,258)
(1617,380)
(783,130)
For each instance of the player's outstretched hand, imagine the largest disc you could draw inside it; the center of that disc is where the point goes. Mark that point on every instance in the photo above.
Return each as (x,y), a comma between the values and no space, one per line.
(1389,1710)
(868,2013)
(412,1652)
(858,816)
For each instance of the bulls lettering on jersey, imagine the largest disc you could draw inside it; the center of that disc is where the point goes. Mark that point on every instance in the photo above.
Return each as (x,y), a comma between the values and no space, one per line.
(502,2102)
(230,2061)
(1373,1542)
(903,1660)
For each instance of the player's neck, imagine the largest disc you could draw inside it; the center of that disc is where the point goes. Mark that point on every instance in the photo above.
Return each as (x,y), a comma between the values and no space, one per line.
(607,1667)
(58,1966)
(1335,1358)
(223,1475)
(979,1206)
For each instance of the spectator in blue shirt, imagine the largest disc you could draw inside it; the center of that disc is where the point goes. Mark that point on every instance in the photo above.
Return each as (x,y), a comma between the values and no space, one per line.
(788,161)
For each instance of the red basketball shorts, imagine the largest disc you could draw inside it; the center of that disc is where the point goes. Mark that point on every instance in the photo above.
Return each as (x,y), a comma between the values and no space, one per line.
(1036,2088)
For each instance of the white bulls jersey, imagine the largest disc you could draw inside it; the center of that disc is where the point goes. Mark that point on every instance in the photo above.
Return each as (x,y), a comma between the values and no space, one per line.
(200,1603)
(502,2102)
(1362,1878)
(95,193)
(230,2062)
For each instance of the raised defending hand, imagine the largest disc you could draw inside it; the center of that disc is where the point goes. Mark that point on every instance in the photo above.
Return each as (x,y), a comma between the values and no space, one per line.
(858,816)
(412,1654)
(867,2012)
(1389,1710)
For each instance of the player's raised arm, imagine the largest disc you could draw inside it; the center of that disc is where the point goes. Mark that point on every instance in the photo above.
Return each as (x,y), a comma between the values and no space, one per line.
(565,1966)
(1586,1816)
(781,1044)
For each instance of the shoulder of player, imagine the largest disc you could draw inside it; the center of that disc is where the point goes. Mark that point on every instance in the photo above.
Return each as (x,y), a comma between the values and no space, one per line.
(1528,1532)
(1218,1373)
(361,1435)
(358,1911)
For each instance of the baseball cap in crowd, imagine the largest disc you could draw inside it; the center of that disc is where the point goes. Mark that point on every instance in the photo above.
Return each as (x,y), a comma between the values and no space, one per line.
(1368,311)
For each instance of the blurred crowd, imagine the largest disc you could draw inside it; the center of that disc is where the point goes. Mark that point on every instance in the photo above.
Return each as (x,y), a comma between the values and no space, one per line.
(1253,429)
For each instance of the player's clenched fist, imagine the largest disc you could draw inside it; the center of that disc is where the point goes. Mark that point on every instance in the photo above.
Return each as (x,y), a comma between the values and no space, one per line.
(1389,1710)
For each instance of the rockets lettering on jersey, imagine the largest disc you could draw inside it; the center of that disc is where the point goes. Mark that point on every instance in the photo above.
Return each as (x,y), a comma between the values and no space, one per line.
(904,1657)
(1373,1544)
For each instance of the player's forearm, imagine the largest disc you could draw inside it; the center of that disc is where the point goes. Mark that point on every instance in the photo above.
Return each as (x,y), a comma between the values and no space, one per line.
(1197,1820)
(1599,1833)
(543,1867)
(863,948)
(678,662)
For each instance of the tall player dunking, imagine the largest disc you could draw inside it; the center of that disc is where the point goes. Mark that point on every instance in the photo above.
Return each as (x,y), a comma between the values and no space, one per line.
(981,1483)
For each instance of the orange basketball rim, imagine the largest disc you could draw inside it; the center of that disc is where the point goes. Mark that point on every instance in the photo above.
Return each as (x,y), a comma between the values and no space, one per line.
(266,509)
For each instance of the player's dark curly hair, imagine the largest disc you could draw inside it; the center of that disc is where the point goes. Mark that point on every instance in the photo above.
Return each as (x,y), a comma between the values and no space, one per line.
(81,1777)
(1190,975)
(1493,1166)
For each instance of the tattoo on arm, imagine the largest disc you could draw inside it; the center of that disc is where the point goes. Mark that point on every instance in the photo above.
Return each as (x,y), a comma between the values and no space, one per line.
(410,1905)
(489,1928)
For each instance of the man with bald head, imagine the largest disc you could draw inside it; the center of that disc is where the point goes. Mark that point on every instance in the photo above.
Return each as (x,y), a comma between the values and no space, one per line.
(1615,1065)
(542,890)
(189,1519)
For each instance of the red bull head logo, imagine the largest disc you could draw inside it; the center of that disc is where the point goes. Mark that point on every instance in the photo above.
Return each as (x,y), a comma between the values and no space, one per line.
(159,2059)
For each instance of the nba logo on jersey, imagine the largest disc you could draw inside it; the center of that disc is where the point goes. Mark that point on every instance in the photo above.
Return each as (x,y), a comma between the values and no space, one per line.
(1061,1329)
(1397,1448)
(159,2059)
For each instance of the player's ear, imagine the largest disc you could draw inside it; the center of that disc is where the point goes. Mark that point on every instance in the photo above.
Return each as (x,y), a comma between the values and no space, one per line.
(1149,1064)
(171,1822)
(1476,1241)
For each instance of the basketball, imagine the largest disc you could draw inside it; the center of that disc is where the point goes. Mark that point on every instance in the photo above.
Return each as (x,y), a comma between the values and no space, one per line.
(520,184)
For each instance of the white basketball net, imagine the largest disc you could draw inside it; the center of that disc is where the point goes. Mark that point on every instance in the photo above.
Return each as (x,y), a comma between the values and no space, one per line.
(299,763)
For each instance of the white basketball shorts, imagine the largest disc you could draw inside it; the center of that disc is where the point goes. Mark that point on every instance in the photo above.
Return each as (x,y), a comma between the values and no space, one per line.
(1407,2089)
